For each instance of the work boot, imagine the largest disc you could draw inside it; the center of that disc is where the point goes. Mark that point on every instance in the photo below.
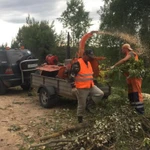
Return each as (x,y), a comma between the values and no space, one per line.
(80,119)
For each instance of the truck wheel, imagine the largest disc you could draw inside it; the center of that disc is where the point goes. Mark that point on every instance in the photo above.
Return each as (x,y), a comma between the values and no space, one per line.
(3,88)
(47,100)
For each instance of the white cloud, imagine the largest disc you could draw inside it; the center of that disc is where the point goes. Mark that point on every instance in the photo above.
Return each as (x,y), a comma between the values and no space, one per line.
(14,13)
(8,31)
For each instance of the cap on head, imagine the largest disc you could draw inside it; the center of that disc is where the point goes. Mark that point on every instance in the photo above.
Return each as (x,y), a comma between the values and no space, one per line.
(89,53)
(127,46)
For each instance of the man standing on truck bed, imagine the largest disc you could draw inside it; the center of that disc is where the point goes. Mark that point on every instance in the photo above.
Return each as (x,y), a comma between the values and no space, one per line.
(81,78)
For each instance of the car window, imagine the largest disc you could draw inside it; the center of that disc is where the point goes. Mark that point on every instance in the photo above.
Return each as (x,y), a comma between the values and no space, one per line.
(14,56)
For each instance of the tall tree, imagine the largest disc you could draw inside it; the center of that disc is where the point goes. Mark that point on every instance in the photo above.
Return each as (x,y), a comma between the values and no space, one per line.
(131,17)
(76,19)
(39,37)
(128,16)
(2,47)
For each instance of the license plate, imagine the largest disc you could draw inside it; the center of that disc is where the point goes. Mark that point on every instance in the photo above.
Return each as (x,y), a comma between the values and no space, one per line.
(32,65)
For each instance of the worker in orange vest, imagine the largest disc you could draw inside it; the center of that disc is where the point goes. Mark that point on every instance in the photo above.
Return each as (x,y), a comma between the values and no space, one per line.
(134,84)
(81,79)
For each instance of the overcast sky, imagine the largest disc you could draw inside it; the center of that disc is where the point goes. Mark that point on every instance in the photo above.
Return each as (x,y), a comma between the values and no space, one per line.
(13,14)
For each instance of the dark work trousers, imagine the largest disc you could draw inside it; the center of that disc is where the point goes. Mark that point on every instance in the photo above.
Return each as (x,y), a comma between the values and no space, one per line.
(135,94)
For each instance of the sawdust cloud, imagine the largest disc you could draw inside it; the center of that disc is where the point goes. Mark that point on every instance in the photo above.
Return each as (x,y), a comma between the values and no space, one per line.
(139,48)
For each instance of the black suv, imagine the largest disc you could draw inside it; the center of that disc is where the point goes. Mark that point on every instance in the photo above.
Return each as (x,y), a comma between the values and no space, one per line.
(15,68)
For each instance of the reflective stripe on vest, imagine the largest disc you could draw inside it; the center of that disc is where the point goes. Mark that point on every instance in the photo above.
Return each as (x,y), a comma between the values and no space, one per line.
(84,78)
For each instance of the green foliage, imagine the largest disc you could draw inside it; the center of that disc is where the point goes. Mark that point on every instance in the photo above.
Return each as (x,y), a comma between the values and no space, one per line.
(39,37)
(112,54)
(133,68)
(121,122)
(114,126)
(105,77)
(76,19)
(114,14)
(146,142)
(2,47)
(127,16)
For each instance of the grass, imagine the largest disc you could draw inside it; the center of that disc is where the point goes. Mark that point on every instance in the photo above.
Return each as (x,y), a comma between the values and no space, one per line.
(113,114)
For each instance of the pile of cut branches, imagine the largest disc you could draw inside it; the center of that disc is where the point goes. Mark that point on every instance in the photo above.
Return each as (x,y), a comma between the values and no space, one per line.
(115,125)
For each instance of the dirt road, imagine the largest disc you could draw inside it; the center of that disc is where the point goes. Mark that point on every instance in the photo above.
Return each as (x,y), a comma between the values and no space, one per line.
(23,121)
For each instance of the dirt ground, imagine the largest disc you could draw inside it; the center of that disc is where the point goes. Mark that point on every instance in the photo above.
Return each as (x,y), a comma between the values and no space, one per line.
(23,121)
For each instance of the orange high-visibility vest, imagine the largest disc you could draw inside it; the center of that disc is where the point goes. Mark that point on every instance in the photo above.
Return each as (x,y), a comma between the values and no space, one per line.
(134,86)
(136,56)
(84,78)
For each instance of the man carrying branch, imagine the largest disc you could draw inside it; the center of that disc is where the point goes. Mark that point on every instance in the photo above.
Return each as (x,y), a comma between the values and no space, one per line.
(134,83)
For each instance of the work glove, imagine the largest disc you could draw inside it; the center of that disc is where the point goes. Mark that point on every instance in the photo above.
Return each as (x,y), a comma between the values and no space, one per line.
(74,91)
(112,67)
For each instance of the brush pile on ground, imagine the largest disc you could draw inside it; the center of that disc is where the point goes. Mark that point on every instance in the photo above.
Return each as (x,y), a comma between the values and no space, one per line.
(113,126)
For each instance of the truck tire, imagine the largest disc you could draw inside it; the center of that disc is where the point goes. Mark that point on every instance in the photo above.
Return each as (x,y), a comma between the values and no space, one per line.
(3,88)
(46,99)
